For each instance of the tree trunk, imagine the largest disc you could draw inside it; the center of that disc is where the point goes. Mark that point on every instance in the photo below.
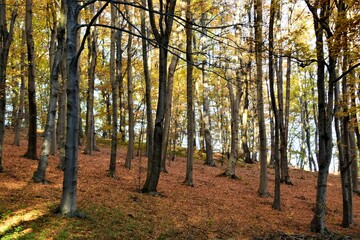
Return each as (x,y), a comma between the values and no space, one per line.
(162,39)
(207,122)
(263,191)
(32,136)
(169,93)
(114,88)
(234,142)
(120,80)
(325,108)
(149,116)
(5,42)
(69,195)
(20,113)
(190,98)
(130,147)
(275,109)
(39,175)
(92,59)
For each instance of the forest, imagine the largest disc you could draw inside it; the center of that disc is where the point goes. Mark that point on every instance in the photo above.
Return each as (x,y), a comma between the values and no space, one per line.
(186,119)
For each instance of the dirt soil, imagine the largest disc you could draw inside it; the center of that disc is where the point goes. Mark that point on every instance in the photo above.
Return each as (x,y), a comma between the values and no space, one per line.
(215,208)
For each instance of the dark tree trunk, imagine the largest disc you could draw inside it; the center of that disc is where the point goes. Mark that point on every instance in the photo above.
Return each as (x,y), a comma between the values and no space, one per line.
(5,42)
(275,109)
(39,175)
(162,39)
(32,136)
(114,88)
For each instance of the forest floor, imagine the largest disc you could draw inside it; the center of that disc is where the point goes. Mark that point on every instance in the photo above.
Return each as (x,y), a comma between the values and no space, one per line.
(215,208)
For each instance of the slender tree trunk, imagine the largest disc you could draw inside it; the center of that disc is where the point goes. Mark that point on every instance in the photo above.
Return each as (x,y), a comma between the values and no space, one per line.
(130,147)
(169,93)
(149,116)
(190,98)
(32,136)
(92,51)
(325,108)
(120,80)
(207,122)
(114,88)
(6,36)
(39,175)
(263,191)
(20,113)
(162,39)
(275,109)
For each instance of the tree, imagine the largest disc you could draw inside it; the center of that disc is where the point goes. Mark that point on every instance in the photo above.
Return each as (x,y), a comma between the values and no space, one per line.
(162,36)
(190,98)
(260,100)
(114,89)
(169,93)
(39,175)
(130,148)
(32,135)
(6,36)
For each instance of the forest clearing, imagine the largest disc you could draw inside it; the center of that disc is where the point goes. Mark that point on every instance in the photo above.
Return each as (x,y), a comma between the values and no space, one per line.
(215,208)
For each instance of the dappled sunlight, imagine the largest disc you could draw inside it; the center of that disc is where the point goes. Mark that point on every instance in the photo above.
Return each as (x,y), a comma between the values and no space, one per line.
(23,215)
(13,185)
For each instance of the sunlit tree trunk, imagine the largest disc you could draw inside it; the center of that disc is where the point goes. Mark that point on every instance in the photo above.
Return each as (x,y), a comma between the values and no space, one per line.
(32,136)
(120,80)
(6,36)
(39,175)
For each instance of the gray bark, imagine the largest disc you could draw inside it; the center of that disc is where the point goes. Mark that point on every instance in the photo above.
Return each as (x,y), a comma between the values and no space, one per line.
(39,175)
(169,93)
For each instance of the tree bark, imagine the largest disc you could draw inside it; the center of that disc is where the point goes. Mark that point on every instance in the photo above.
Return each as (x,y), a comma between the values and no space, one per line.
(149,116)
(68,205)
(263,191)
(169,93)
(162,39)
(20,113)
(114,88)
(6,36)
(190,97)
(39,175)
(130,147)
(32,136)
